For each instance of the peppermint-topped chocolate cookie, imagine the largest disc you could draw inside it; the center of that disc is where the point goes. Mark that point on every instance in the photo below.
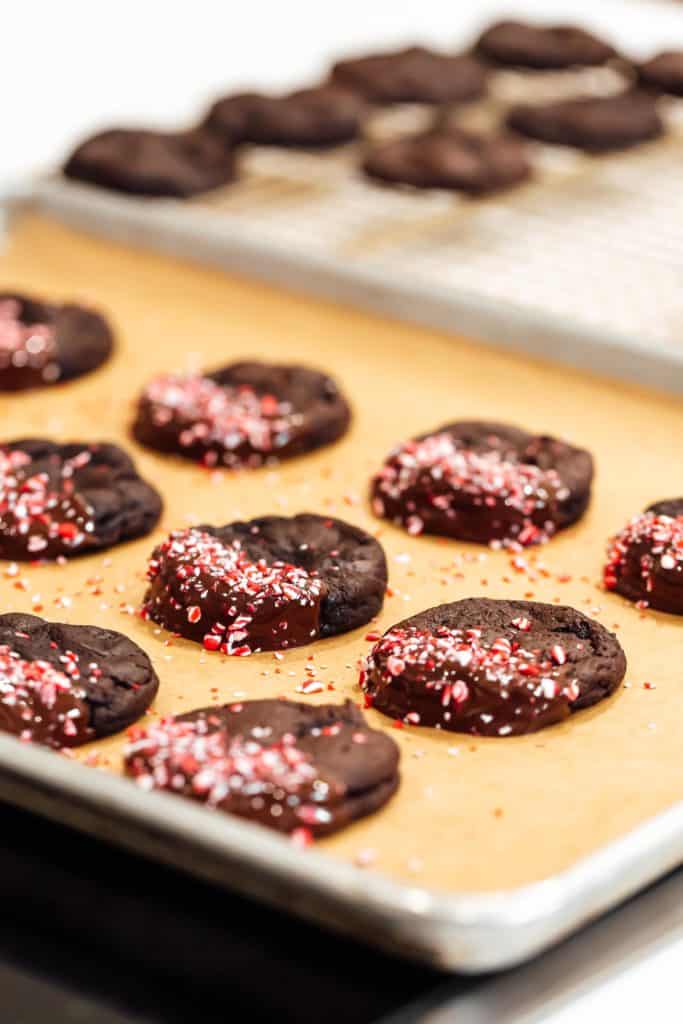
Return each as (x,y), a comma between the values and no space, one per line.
(492,668)
(324,116)
(297,768)
(596,124)
(645,559)
(484,482)
(245,415)
(267,584)
(460,161)
(149,163)
(413,75)
(663,73)
(63,685)
(551,47)
(61,500)
(44,343)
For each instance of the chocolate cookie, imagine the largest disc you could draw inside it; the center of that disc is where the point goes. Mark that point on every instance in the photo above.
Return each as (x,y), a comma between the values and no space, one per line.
(148,163)
(484,482)
(414,75)
(645,560)
(457,160)
(63,685)
(44,343)
(492,668)
(517,44)
(595,124)
(266,584)
(245,415)
(61,500)
(325,116)
(284,765)
(664,73)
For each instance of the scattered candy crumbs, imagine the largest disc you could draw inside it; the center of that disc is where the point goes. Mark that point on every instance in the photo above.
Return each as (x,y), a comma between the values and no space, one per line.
(245,426)
(192,564)
(27,346)
(437,659)
(274,781)
(41,703)
(34,513)
(660,536)
(440,468)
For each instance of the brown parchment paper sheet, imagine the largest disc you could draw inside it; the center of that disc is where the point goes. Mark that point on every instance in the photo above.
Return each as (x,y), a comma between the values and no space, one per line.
(471,814)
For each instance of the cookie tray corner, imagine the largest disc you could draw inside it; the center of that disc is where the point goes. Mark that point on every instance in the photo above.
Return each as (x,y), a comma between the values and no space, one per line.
(470,932)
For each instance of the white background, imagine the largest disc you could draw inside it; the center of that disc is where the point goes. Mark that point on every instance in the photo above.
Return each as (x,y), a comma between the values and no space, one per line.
(71,67)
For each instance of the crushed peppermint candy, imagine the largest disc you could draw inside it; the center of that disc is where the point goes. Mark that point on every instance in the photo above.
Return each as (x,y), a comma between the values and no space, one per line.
(661,539)
(30,348)
(213,592)
(494,682)
(274,783)
(245,427)
(427,475)
(37,517)
(41,703)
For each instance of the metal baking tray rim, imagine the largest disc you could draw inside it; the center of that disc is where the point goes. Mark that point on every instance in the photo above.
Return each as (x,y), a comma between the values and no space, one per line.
(185,230)
(470,932)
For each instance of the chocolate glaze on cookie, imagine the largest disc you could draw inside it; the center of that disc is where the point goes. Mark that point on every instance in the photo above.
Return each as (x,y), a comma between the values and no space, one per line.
(645,559)
(44,343)
(413,75)
(454,160)
(492,668)
(266,584)
(149,163)
(63,685)
(61,500)
(542,47)
(594,124)
(484,482)
(663,73)
(288,766)
(244,415)
(320,117)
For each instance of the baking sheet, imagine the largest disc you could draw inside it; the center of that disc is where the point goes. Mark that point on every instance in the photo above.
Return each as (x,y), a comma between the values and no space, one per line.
(473,817)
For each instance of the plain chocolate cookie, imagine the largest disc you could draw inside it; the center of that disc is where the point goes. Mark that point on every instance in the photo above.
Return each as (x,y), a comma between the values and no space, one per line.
(148,163)
(492,668)
(63,685)
(663,73)
(266,584)
(320,117)
(645,560)
(517,44)
(484,482)
(459,161)
(594,124)
(44,343)
(413,75)
(243,415)
(61,500)
(284,765)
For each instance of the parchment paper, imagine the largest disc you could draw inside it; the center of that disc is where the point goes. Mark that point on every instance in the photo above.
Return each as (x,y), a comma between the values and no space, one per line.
(471,814)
